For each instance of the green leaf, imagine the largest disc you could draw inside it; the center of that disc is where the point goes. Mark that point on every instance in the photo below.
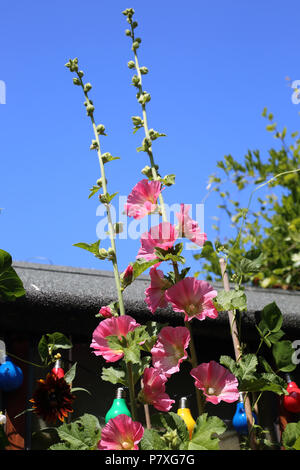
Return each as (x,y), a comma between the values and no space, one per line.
(91,247)
(11,286)
(171,422)
(231,300)
(141,265)
(152,440)
(205,433)
(113,375)
(129,345)
(252,265)
(94,190)
(107,198)
(51,342)
(291,436)
(83,434)
(120,375)
(5,261)
(168,180)
(282,353)
(271,317)
(265,382)
(70,374)
(153,328)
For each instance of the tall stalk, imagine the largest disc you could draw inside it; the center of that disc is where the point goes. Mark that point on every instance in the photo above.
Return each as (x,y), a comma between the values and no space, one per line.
(105,199)
(143,98)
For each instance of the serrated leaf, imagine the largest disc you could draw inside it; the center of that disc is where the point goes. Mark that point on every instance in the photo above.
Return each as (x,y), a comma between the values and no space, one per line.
(152,440)
(83,434)
(171,422)
(205,433)
(230,300)
(113,375)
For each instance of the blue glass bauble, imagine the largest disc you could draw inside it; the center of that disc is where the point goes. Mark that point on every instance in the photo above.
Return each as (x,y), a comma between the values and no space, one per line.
(11,376)
(239,420)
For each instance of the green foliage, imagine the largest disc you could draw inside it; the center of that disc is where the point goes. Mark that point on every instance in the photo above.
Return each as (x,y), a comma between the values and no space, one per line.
(91,247)
(51,342)
(130,345)
(230,300)
(272,225)
(169,432)
(119,374)
(252,380)
(206,432)
(11,286)
(82,434)
(291,436)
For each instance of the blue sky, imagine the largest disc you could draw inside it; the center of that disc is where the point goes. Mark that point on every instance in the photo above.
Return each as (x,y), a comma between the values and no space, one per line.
(213,67)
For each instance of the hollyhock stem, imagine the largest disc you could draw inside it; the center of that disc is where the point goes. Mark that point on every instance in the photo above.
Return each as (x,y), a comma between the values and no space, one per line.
(131,391)
(199,395)
(147,135)
(194,361)
(112,240)
(107,207)
(238,355)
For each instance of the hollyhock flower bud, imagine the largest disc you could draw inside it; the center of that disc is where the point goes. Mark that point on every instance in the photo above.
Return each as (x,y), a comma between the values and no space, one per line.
(127,276)
(216,382)
(106,312)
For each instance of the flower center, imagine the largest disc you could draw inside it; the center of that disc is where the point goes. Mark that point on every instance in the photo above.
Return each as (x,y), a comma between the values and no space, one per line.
(127,445)
(211,391)
(193,309)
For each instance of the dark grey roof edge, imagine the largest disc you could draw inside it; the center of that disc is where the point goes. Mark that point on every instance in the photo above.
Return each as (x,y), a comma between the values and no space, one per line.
(78,293)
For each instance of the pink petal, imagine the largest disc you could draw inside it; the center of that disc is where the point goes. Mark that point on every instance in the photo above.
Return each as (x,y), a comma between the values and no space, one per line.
(120,431)
(216,382)
(142,199)
(114,326)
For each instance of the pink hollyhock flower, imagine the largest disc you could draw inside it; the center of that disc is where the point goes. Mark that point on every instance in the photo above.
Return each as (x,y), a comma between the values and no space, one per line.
(153,391)
(114,326)
(121,433)
(189,228)
(161,236)
(170,349)
(193,298)
(142,199)
(155,294)
(216,382)
(106,312)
